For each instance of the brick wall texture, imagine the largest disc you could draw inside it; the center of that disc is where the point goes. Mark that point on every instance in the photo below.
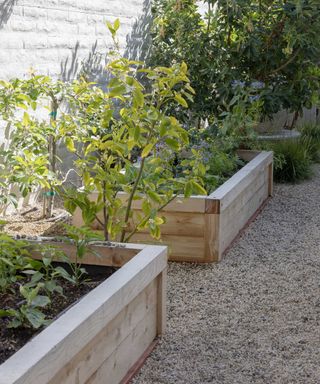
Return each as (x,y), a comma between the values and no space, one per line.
(57,37)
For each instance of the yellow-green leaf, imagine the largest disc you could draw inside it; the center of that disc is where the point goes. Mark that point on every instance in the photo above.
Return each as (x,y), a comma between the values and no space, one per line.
(197,188)
(147,150)
(180,100)
(184,68)
(116,24)
(70,144)
(138,98)
(26,119)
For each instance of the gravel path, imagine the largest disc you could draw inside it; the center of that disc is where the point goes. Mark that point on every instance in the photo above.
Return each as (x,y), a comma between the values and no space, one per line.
(254,317)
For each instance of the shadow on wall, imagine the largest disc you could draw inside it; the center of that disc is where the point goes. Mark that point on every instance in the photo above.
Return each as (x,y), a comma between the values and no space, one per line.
(139,41)
(6,8)
(93,66)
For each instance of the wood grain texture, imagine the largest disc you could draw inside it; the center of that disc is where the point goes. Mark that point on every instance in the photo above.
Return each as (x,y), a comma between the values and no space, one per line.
(45,355)
(212,239)
(161,302)
(180,248)
(232,221)
(180,224)
(127,352)
(102,346)
(114,255)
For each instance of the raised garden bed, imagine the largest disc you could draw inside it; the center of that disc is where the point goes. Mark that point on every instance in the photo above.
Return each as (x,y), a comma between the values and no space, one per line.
(105,334)
(200,228)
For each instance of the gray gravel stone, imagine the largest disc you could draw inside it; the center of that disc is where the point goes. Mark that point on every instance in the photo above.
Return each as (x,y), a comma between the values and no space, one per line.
(254,317)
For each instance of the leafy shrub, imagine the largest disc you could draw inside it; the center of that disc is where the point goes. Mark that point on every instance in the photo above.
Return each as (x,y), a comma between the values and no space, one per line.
(118,135)
(270,48)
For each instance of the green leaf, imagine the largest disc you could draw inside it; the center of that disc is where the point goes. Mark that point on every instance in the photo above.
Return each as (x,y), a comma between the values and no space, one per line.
(184,68)
(116,24)
(70,206)
(180,100)
(26,119)
(70,144)
(147,150)
(35,317)
(146,207)
(136,133)
(40,301)
(138,98)
(172,143)
(188,189)
(117,91)
(197,188)
(154,196)
(111,28)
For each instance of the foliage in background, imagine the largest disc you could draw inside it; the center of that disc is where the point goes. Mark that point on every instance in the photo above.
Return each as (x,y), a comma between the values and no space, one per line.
(270,48)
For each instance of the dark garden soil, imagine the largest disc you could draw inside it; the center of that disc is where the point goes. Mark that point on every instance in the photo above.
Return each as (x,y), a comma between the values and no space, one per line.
(12,339)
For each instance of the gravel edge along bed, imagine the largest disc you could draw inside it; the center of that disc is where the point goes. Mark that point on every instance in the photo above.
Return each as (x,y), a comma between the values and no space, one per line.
(254,317)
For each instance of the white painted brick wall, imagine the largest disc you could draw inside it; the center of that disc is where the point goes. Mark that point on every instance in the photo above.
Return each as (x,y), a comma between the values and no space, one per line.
(45,34)
(56,36)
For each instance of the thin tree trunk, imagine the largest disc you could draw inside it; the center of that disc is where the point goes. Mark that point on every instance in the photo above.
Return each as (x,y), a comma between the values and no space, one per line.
(105,214)
(52,149)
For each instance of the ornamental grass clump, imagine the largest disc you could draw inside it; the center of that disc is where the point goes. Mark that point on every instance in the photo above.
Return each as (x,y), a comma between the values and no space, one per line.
(310,135)
(293,161)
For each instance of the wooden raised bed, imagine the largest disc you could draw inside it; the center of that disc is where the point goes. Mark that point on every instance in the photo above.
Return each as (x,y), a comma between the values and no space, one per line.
(103,336)
(200,228)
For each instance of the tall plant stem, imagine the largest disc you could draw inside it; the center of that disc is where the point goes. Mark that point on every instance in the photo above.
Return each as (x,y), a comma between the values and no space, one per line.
(105,213)
(52,149)
(131,196)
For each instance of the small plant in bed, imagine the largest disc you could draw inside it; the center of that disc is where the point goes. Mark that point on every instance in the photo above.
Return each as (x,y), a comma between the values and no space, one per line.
(33,292)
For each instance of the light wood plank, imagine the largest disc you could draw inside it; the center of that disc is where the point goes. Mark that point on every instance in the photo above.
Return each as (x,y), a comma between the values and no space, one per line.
(73,330)
(182,248)
(115,254)
(103,345)
(232,222)
(246,194)
(270,175)
(241,180)
(212,238)
(162,303)
(129,350)
(181,224)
